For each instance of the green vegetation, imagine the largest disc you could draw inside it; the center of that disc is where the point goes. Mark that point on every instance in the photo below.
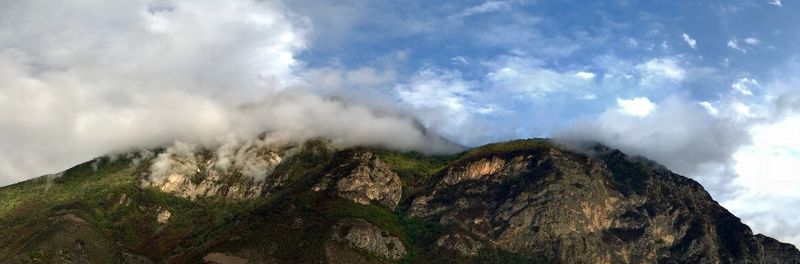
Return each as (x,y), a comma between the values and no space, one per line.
(120,213)
(339,208)
(508,148)
(413,165)
(107,194)
(414,168)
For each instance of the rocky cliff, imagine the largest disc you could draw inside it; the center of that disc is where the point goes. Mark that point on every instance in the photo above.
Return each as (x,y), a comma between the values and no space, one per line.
(526,201)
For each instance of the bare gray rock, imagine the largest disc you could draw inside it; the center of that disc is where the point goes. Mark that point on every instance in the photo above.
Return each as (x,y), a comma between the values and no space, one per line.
(364,179)
(362,235)
(463,244)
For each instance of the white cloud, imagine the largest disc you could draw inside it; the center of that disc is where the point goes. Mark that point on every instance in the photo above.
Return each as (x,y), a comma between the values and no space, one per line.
(710,108)
(103,77)
(485,7)
(121,75)
(743,86)
(528,77)
(746,154)
(446,103)
(752,41)
(771,163)
(734,44)
(660,69)
(768,169)
(690,41)
(459,60)
(638,107)
(585,75)
(678,133)
(775,2)
(742,109)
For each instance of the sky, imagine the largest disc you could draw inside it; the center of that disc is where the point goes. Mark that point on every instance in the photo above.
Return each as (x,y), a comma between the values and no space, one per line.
(710,89)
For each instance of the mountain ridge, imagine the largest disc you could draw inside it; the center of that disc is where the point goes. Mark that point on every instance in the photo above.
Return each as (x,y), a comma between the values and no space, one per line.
(518,201)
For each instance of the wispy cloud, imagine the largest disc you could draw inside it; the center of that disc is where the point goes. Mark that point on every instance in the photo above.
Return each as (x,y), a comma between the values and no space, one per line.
(734,44)
(743,86)
(528,77)
(485,7)
(660,69)
(690,41)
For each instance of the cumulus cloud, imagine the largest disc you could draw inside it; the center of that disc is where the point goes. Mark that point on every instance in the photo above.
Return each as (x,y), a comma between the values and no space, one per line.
(690,41)
(775,3)
(639,106)
(79,80)
(585,75)
(752,41)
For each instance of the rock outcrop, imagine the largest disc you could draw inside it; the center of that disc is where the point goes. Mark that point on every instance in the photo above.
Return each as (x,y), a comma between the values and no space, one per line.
(777,252)
(363,178)
(463,244)
(362,235)
(569,207)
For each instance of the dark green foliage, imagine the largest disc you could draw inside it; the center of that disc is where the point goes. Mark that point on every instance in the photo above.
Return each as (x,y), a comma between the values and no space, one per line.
(339,208)
(414,169)
(508,148)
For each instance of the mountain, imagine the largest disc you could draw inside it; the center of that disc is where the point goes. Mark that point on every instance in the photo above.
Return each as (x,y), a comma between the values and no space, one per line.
(523,201)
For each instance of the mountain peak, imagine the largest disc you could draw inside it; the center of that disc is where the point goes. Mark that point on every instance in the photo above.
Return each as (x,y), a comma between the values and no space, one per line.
(518,201)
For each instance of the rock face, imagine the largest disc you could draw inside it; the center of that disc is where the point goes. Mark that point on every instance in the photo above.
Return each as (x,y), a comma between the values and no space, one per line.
(363,178)
(567,207)
(777,252)
(362,235)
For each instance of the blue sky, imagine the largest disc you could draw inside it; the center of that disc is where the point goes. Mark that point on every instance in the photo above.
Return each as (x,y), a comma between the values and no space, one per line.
(655,49)
(710,89)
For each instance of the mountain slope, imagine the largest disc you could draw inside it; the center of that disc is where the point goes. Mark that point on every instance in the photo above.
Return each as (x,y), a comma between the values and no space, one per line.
(522,201)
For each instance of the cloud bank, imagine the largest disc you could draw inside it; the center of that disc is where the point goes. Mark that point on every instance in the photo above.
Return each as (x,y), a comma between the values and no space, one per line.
(79,80)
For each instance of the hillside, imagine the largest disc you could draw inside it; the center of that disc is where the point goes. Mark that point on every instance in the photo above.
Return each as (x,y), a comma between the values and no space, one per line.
(524,201)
